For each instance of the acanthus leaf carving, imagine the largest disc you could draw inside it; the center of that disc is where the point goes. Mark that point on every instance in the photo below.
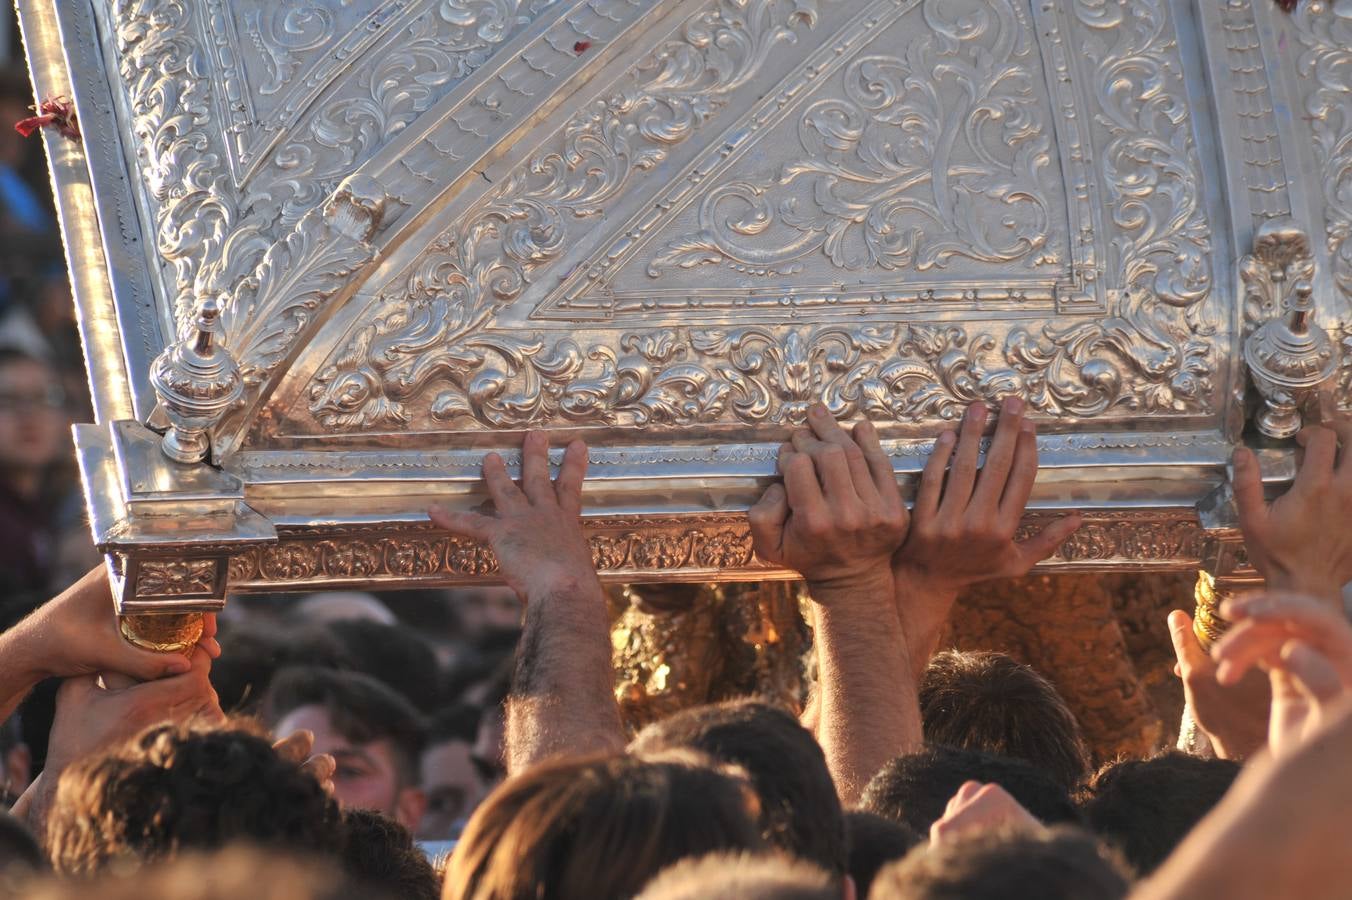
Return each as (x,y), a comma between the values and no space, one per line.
(897,174)
(431,355)
(1324,28)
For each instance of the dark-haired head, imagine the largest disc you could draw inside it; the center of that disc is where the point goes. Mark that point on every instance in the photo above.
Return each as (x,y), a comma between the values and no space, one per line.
(598,828)
(176,788)
(1062,863)
(373,733)
(802,812)
(989,701)
(1145,807)
(915,789)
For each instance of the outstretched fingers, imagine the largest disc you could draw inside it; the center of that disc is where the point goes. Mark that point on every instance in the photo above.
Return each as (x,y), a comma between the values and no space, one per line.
(535,483)
(878,462)
(1046,542)
(962,475)
(503,491)
(572,472)
(931,489)
(469,524)
(1022,475)
(1000,457)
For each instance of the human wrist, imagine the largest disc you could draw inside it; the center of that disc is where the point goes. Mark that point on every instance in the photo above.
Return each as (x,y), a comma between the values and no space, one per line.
(1319,585)
(857,588)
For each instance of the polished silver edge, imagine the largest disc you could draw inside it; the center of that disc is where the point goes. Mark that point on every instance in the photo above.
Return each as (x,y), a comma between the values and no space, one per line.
(141,311)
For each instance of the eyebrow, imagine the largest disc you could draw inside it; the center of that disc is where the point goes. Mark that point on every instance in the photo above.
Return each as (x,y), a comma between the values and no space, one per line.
(352,754)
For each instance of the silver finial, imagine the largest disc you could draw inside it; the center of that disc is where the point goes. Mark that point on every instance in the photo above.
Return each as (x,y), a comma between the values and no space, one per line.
(197,382)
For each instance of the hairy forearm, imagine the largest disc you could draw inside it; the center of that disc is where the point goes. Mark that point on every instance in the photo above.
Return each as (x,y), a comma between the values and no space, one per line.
(563,700)
(869,709)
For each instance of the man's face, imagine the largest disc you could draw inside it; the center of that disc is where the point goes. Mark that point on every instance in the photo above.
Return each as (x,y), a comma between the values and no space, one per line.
(366,776)
(453,788)
(32,420)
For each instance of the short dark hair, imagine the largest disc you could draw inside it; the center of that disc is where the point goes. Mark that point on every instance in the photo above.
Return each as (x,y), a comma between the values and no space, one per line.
(915,789)
(394,654)
(1062,863)
(379,854)
(257,653)
(455,723)
(875,841)
(733,876)
(178,787)
(800,808)
(1145,807)
(601,826)
(989,701)
(361,708)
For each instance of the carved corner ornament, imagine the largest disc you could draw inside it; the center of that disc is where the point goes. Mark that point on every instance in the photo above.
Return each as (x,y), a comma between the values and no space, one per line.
(197,381)
(1290,358)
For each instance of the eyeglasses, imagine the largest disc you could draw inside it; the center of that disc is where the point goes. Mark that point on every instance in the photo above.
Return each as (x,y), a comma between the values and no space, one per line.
(53,398)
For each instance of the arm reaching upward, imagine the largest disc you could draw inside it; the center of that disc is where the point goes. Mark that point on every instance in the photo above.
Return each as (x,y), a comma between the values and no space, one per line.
(837,519)
(562,699)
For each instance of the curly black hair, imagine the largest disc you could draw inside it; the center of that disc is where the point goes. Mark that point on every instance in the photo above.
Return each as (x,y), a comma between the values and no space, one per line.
(181,787)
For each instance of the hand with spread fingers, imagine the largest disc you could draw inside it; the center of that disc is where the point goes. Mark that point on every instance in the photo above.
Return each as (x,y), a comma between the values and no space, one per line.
(536,527)
(562,699)
(1306,649)
(838,516)
(1302,541)
(965,519)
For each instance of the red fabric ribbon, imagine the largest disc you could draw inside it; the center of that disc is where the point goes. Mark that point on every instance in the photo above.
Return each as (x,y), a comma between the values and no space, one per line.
(54,112)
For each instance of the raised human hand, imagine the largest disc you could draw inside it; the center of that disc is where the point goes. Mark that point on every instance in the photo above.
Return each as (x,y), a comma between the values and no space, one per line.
(964,522)
(1302,541)
(963,525)
(1306,649)
(978,807)
(91,717)
(1233,715)
(76,633)
(298,747)
(535,529)
(838,516)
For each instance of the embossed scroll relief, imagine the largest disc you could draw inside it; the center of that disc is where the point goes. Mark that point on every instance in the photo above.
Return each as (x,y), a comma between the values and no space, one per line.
(369,240)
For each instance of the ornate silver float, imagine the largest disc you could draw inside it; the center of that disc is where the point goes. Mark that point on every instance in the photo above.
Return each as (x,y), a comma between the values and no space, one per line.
(327,253)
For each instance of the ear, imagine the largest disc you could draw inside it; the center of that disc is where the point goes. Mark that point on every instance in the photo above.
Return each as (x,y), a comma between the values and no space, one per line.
(409,807)
(848,889)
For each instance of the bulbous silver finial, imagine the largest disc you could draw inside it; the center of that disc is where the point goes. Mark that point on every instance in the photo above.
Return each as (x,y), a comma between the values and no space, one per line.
(1289,357)
(197,382)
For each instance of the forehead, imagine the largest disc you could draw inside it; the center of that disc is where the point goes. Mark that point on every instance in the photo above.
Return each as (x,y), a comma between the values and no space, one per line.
(23,373)
(329,739)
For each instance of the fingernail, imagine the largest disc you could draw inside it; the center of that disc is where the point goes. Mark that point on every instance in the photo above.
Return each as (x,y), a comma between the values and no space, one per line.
(1028,426)
(945,439)
(977,412)
(1013,405)
(818,409)
(1224,671)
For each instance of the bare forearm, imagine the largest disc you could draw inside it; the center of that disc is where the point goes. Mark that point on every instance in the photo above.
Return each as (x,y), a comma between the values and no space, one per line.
(923,609)
(563,700)
(18,673)
(869,711)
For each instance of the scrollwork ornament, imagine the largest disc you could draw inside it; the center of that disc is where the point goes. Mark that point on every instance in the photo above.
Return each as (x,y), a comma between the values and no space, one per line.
(1324,29)
(898,173)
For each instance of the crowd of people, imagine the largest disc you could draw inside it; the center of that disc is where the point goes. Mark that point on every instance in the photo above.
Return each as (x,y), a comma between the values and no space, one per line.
(469,746)
(325,748)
